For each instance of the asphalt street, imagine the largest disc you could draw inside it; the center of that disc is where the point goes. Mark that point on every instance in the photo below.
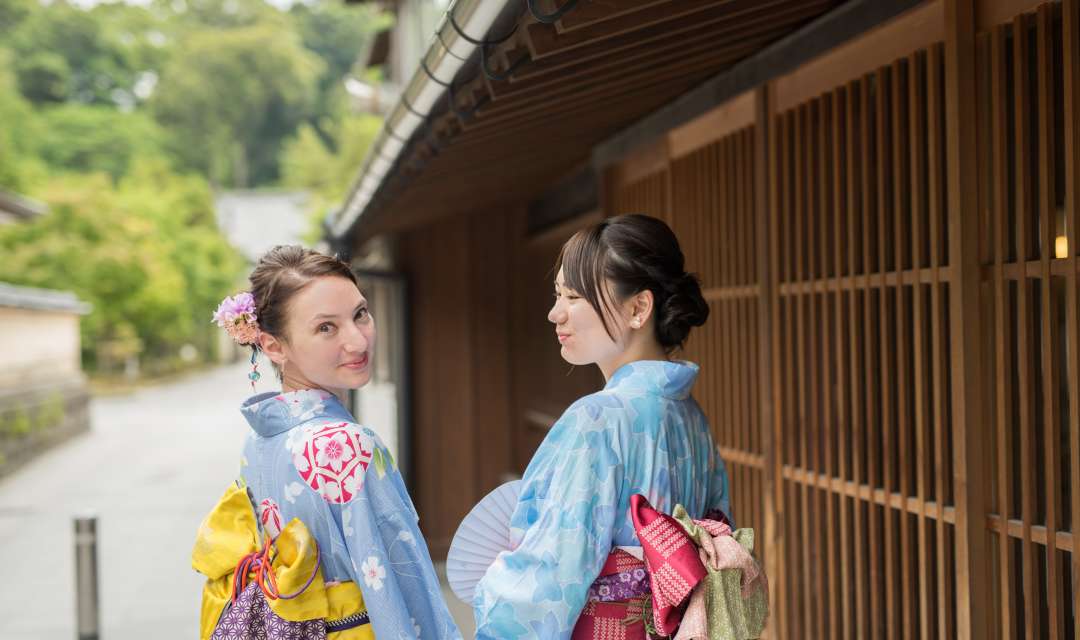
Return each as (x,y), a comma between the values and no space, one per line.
(152,465)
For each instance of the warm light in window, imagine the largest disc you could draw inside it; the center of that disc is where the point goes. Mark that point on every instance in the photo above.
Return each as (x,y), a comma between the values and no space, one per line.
(1061,247)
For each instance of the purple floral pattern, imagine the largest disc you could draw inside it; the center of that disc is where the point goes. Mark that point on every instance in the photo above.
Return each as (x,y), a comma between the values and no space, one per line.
(617,587)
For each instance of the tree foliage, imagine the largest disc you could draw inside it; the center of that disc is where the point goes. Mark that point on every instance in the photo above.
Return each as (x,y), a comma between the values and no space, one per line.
(147,255)
(122,118)
(231,99)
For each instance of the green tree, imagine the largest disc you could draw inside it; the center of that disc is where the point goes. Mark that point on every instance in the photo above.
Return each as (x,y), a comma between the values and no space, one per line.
(44,77)
(338,35)
(232,96)
(197,15)
(96,68)
(19,132)
(128,252)
(12,14)
(309,164)
(182,210)
(91,139)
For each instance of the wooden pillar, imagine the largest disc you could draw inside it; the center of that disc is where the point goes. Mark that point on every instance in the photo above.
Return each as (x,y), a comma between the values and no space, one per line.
(970,472)
(767,256)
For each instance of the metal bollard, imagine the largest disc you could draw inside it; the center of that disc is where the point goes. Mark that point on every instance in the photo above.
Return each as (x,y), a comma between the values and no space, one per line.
(86,578)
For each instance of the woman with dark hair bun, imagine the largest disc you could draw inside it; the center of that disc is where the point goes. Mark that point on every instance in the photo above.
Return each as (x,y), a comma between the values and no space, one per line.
(317,539)
(624,302)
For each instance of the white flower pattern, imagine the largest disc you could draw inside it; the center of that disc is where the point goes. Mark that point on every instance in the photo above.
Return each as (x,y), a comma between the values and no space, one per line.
(333,451)
(305,404)
(374,573)
(330,490)
(292,490)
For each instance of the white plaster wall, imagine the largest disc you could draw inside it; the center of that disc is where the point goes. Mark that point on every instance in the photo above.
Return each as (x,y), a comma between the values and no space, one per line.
(38,346)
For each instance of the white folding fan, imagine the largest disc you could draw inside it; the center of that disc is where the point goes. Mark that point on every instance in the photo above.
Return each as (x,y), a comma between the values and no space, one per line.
(482,535)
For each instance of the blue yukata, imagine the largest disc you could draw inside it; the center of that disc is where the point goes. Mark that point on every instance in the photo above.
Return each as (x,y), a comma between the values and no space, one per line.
(642,433)
(308,459)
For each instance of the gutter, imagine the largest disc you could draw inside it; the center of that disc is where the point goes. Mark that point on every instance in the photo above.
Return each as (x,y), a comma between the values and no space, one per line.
(445,57)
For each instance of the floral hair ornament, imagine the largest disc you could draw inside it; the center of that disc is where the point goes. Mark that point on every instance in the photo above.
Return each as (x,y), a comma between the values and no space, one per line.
(236,315)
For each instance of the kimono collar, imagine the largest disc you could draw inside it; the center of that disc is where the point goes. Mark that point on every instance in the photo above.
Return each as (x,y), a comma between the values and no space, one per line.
(273,412)
(670,379)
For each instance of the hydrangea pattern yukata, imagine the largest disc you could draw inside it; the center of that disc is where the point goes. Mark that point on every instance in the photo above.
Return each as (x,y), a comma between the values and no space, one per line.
(642,433)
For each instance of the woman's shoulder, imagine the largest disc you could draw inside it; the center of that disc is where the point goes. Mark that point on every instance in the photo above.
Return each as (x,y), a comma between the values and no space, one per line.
(617,406)
(334,457)
(325,429)
(603,404)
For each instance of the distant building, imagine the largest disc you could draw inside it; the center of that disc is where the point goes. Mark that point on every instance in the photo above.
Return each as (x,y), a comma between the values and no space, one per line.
(397,52)
(43,392)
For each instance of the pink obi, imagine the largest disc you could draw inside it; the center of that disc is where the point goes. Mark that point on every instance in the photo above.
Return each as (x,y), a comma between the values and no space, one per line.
(626,586)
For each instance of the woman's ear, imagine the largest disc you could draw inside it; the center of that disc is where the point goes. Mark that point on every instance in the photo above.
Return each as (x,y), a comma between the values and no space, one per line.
(272,347)
(641,308)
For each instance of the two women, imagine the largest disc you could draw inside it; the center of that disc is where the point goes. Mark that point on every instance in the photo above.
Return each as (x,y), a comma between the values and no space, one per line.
(314,479)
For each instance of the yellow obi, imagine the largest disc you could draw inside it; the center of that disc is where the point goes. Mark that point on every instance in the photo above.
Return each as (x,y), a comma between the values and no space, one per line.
(229,533)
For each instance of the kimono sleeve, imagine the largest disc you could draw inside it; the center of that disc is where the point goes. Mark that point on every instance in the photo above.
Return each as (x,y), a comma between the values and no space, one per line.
(389,556)
(568,511)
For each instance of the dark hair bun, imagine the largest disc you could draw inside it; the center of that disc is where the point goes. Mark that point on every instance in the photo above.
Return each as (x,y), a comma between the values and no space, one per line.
(635,253)
(683,308)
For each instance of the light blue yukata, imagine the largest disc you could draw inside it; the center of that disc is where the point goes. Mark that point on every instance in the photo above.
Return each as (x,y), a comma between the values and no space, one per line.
(642,433)
(308,459)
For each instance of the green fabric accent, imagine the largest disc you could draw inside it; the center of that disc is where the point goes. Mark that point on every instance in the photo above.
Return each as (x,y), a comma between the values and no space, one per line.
(650,623)
(730,617)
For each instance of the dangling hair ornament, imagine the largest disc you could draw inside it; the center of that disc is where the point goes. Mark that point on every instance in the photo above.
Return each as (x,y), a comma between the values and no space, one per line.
(254,375)
(236,315)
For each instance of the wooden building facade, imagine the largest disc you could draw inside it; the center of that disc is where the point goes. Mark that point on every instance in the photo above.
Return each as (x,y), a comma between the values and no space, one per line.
(882,206)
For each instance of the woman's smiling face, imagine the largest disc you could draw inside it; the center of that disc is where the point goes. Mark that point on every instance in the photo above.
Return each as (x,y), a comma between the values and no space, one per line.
(330,336)
(580,330)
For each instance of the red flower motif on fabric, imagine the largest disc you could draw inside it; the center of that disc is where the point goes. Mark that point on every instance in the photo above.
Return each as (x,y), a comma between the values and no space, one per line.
(333,461)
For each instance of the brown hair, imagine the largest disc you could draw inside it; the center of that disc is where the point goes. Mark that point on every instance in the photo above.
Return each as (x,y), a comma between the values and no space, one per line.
(635,253)
(280,274)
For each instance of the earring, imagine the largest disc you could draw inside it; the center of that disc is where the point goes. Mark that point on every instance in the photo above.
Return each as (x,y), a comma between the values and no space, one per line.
(635,323)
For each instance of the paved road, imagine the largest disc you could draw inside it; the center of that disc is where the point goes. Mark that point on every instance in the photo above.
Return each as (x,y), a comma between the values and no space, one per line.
(152,465)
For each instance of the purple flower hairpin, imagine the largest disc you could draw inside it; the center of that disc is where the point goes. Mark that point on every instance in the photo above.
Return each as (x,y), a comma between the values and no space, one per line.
(236,315)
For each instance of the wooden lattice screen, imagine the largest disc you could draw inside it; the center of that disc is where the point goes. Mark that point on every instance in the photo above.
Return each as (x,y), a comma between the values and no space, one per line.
(860,309)
(712,211)
(647,194)
(862,337)
(1029,81)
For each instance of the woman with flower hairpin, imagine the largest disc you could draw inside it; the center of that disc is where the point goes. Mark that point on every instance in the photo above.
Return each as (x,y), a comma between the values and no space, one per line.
(318,537)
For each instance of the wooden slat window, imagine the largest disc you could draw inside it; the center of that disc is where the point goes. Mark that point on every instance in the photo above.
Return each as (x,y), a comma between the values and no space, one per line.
(863,324)
(1028,67)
